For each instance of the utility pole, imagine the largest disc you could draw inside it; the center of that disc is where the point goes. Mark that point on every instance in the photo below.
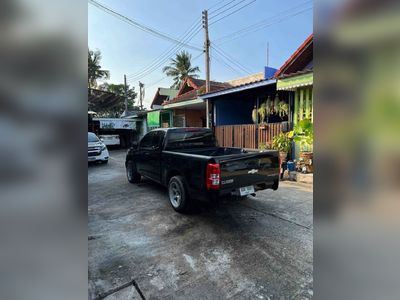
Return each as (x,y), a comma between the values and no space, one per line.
(141,94)
(126,96)
(207,63)
(206,49)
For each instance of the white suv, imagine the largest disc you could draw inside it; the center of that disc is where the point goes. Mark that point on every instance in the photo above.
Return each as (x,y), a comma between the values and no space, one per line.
(97,151)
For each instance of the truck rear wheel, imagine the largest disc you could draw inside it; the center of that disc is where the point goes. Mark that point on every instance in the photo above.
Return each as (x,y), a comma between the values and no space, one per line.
(178,196)
(131,173)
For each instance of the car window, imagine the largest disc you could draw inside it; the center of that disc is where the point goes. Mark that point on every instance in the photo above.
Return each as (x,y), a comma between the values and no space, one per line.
(92,138)
(186,139)
(158,138)
(147,140)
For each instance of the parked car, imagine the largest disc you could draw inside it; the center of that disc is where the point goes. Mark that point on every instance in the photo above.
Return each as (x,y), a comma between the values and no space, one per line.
(192,166)
(110,139)
(97,150)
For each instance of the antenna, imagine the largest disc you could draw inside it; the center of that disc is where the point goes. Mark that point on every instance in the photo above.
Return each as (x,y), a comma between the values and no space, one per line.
(267,54)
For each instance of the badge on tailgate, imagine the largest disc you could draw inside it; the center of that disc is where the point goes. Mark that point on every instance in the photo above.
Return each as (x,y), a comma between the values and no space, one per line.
(253,171)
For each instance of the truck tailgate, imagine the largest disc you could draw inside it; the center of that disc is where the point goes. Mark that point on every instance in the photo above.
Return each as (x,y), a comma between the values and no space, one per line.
(249,169)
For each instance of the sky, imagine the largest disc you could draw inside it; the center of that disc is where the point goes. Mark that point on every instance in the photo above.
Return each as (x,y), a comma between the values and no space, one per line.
(128,50)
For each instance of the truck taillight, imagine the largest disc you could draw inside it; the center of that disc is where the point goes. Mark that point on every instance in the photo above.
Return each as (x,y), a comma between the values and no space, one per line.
(213,179)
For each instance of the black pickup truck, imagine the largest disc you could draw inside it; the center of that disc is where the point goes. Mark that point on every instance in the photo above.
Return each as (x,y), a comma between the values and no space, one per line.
(192,166)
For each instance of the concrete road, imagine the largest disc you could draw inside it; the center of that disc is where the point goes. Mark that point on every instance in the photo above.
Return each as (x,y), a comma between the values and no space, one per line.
(255,248)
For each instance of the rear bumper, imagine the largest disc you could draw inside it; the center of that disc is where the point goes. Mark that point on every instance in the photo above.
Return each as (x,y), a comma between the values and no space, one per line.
(271,183)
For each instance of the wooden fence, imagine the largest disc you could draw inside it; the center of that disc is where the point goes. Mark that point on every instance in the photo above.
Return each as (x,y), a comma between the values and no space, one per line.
(248,136)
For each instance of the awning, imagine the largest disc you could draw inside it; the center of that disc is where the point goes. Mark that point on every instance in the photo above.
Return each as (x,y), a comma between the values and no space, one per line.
(153,118)
(294,82)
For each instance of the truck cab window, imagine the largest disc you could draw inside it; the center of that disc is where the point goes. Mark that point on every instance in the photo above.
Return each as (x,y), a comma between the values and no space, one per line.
(147,141)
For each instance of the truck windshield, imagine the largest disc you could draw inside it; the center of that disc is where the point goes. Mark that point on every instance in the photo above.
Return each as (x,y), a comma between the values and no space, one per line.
(190,139)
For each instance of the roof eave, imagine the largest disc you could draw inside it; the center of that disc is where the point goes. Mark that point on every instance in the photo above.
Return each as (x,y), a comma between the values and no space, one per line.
(238,88)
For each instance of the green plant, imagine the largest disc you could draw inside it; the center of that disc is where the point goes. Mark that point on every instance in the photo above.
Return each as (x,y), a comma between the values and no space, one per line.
(283,109)
(303,133)
(264,146)
(254,115)
(262,112)
(282,142)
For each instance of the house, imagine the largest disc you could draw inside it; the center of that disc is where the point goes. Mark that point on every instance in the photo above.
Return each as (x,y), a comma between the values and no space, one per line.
(232,112)
(187,108)
(158,117)
(162,95)
(296,76)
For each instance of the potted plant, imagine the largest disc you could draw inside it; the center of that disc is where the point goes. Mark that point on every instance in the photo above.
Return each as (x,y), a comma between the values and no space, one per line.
(303,133)
(282,143)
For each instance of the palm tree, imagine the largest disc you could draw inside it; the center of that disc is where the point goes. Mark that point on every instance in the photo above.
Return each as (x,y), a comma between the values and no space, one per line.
(94,69)
(181,68)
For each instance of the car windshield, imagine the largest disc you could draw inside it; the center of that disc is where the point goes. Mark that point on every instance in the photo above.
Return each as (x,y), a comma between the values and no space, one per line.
(92,138)
(190,139)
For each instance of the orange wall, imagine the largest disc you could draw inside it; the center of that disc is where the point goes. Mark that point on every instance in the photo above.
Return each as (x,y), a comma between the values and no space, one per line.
(194,118)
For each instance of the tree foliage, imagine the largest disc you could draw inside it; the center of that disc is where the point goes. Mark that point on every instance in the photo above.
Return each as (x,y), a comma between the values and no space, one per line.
(95,71)
(180,68)
(115,109)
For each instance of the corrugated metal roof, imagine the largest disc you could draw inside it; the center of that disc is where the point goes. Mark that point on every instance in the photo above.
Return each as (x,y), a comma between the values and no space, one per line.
(239,88)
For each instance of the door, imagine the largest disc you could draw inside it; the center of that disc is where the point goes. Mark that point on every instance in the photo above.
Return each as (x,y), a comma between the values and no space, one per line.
(149,162)
(154,154)
(144,148)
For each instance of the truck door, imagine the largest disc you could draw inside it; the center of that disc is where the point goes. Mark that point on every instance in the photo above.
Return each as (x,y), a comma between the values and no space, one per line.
(149,161)
(155,156)
(143,154)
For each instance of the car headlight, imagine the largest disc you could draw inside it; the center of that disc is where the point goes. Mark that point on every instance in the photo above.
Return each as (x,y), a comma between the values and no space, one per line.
(103,147)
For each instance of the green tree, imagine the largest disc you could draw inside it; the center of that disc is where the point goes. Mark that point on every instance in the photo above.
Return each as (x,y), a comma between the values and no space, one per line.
(95,71)
(180,68)
(116,108)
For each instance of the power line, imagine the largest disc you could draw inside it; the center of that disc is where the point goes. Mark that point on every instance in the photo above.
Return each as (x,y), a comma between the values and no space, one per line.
(165,77)
(216,4)
(240,8)
(190,33)
(151,69)
(232,60)
(221,60)
(212,12)
(145,28)
(281,16)
(229,8)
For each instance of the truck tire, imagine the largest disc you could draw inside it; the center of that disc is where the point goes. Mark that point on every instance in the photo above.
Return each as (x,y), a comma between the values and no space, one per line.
(131,173)
(177,194)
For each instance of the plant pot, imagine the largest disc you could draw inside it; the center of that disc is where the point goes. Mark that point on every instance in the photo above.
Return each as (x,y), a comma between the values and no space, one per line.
(307,159)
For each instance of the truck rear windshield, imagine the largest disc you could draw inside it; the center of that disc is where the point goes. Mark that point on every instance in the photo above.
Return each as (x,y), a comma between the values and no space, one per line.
(190,139)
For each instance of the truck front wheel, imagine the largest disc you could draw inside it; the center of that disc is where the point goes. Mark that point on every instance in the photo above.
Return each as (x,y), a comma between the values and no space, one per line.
(178,196)
(131,173)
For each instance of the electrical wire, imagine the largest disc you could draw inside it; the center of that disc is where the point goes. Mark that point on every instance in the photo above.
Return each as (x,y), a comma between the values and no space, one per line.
(236,10)
(142,27)
(281,16)
(160,60)
(165,77)
(229,8)
(221,60)
(231,59)
(216,4)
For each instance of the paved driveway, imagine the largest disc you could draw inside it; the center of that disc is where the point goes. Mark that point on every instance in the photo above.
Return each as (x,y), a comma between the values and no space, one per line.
(255,248)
